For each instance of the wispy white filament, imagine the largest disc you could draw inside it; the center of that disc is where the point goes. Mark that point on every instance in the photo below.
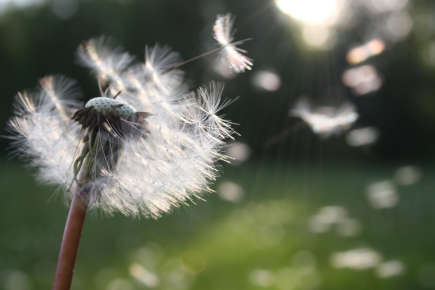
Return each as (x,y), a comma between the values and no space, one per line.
(231,54)
(169,165)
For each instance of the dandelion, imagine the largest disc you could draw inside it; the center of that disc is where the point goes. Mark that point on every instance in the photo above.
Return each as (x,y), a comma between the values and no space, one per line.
(146,144)
(231,54)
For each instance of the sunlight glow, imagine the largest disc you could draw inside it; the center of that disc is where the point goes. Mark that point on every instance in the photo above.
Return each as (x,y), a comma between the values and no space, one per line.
(316,12)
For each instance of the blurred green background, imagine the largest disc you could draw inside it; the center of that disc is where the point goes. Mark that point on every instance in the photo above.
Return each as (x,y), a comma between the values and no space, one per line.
(351,206)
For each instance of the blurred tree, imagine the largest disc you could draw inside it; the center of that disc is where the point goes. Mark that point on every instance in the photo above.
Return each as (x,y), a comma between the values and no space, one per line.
(42,39)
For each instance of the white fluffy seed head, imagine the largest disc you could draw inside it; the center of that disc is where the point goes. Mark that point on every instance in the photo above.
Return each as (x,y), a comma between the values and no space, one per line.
(170,164)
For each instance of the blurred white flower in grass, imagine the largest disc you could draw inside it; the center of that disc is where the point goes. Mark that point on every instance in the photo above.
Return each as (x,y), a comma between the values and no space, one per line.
(362,136)
(357,259)
(363,80)
(152,148)
(390,269)
(266,80)
(334,216)
(232,55)
(361,53)
(238,152)
(144,276)
(230,191)
(326,120)
(407,175)
(382,194)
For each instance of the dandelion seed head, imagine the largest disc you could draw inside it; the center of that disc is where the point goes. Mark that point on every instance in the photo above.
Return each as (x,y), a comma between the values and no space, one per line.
(107,105)
(152,148)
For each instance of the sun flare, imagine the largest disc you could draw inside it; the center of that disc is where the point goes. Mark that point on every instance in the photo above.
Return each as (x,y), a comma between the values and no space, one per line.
(315,12)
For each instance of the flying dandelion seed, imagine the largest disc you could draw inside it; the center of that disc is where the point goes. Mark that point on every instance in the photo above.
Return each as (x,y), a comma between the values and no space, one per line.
(325,121)
(231,54)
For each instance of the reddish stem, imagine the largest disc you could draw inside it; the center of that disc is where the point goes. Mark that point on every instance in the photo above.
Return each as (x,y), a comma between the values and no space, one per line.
(70,243)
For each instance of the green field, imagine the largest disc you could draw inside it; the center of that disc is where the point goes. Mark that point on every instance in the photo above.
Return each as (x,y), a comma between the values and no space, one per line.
(270,239)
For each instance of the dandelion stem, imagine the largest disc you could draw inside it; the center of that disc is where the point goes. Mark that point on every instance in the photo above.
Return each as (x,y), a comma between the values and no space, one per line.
(70,242)
(76,217)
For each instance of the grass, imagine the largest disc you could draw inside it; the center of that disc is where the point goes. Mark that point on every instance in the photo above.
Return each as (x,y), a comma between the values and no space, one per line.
(264,241)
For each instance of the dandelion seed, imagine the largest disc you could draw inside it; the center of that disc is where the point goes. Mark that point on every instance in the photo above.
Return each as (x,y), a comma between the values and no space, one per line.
(325,121)
(231,54)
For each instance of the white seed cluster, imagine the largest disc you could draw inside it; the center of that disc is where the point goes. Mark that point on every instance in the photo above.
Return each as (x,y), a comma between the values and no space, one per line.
(107,105)
(173,162)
